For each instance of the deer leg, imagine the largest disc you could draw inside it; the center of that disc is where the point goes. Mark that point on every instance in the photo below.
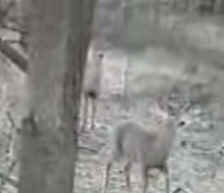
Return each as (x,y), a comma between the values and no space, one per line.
(166,171)
(94,111)
(106,177)
(85,112)
(81,111)
(127,169)
(144,173)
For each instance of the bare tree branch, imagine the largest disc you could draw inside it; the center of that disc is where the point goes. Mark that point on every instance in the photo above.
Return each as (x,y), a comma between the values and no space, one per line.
(12,122)
(11,53)
(9,180)
(91,150)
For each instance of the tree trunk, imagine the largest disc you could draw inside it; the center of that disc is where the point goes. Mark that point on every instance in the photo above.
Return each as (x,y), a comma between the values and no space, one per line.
(219,6)
(59,34)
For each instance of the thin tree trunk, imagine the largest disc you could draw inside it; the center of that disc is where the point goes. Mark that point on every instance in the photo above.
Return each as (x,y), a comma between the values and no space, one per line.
(59,34)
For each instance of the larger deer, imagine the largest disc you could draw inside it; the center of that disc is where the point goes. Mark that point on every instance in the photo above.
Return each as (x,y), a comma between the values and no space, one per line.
(149,146)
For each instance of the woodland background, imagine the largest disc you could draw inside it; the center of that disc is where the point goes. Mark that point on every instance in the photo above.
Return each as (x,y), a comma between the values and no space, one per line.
(150,46)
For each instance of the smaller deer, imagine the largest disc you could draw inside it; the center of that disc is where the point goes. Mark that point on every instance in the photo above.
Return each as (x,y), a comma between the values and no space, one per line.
(92,85)
(149,147)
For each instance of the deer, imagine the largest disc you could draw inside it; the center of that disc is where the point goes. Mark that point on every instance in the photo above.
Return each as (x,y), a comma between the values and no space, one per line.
(92,85)
(150,148)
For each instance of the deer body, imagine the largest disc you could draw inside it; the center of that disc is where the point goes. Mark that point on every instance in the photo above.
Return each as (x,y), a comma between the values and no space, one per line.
(130,138)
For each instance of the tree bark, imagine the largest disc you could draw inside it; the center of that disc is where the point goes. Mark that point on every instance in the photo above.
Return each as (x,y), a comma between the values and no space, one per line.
(58,39)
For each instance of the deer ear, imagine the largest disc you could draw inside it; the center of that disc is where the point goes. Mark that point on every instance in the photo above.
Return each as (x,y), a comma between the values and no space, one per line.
(162,103)
(159,110)
(100,55)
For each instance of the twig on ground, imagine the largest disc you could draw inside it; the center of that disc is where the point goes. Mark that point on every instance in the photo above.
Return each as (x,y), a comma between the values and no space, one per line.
(13,55)
(91,150)
(11,120)
(11,181)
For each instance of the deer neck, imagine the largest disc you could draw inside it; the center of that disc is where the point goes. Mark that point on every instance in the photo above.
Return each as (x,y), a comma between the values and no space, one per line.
(168,132)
